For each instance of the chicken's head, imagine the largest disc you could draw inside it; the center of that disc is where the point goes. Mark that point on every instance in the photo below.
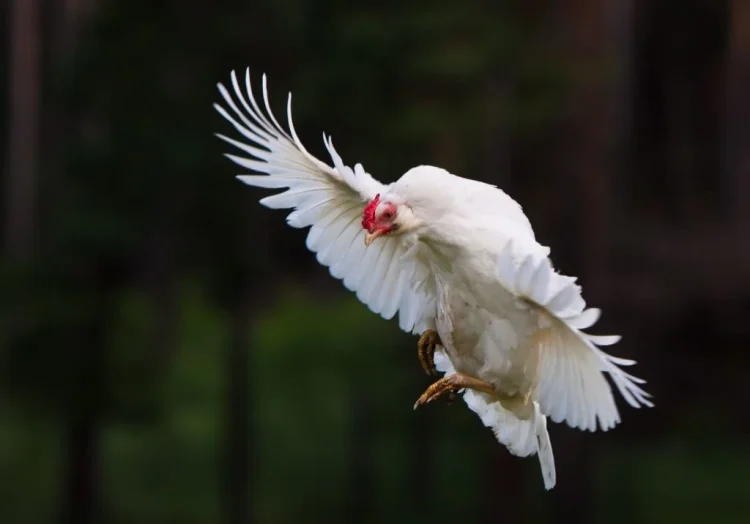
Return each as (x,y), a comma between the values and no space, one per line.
(379,218)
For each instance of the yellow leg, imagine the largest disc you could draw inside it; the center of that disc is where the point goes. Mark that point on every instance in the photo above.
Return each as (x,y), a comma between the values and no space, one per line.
(426,353)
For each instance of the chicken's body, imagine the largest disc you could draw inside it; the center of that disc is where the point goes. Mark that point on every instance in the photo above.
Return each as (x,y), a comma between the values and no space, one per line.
(457,257)
(495,347)
(486,331)
(483,326)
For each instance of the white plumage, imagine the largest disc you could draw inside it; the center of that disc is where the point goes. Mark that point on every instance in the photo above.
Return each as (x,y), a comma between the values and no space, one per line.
(454,255)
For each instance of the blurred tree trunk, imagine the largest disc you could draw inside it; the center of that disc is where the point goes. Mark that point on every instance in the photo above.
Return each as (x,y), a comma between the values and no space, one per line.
(23,128)
(680,64)
(588,138)
(238,487)
(693,69)
(82,480)
(649,179)
(738,117)
(708,33)
(158,272)
(244,268)
(359,486)
(62,20)
(241,282)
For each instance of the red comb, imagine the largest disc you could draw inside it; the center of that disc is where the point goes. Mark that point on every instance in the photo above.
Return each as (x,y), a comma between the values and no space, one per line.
(368,217)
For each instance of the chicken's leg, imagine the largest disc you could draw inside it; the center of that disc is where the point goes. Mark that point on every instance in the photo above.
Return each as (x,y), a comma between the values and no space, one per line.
(426,351)
(426,345)
(453,384)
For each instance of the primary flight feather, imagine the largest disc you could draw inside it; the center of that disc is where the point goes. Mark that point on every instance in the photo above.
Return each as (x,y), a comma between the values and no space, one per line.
(458,262)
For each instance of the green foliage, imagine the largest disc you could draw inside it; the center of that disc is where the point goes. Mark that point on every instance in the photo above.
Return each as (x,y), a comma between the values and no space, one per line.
(313,362)
(167,470)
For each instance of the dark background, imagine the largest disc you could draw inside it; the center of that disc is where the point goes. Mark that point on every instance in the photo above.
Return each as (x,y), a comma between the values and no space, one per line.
(171,353)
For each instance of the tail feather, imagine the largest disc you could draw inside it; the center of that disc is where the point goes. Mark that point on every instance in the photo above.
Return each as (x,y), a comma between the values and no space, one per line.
(544,450)
(523,437)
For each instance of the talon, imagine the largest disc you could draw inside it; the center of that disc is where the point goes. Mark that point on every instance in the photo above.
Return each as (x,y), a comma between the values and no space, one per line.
(453,384)
(426,351)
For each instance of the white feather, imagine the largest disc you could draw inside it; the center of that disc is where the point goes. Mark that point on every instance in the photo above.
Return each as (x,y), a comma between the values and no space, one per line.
(572,387)
(522,438)
(330,199)
(468,266)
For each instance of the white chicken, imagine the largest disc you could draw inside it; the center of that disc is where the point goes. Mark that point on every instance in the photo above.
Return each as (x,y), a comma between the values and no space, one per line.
(457,260)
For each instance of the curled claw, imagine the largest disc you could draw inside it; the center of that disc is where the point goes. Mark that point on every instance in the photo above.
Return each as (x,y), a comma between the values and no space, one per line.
(426,351)
(453,384)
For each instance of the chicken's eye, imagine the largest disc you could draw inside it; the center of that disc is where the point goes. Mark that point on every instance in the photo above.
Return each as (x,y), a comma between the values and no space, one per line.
(388,215)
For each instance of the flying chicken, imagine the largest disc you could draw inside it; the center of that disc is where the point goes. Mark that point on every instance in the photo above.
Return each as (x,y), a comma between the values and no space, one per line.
(458,262)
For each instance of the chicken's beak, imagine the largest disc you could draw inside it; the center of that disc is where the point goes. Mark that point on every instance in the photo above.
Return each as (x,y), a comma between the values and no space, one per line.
(369,237)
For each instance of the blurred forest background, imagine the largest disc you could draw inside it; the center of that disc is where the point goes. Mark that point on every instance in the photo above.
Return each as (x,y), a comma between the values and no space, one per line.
(171,353)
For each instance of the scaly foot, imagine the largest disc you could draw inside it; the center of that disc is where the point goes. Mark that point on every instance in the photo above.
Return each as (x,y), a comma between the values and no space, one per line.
(426,351)
(426,345)
(453,384)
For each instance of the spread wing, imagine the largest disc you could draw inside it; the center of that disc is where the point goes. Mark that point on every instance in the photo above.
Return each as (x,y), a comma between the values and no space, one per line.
(385,276)
(571,385)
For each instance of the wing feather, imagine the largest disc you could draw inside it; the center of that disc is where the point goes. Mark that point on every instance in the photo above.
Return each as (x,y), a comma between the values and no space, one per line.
(329,200)
(572,387)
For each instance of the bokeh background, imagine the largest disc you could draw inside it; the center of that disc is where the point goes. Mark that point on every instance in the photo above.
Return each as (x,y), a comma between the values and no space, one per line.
(171,353)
